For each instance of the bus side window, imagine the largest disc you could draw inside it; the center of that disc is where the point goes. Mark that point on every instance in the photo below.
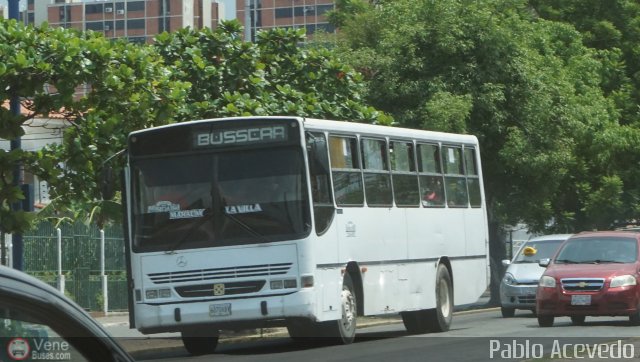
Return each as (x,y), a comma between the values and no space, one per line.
(473,179)
(377,181)
(405,179)
(430,171)
(323,209)
(345,167)
(455,181)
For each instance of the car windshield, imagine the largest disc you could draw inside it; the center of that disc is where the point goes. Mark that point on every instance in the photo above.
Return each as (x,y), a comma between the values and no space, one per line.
(596,250)
(215,199)
(532,251)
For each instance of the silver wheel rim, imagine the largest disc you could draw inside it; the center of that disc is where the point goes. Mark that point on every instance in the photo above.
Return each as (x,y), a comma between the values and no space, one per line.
(348,312)
(445,301)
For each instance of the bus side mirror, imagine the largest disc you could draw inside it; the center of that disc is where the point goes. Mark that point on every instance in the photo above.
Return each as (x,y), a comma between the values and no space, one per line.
(544,262)
(106,183)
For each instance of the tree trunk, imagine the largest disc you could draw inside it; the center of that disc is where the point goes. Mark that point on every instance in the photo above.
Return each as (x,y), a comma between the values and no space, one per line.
(497,253)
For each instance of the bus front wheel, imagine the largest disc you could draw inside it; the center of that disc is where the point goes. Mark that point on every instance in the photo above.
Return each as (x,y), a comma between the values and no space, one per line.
(344,329)
(200,341)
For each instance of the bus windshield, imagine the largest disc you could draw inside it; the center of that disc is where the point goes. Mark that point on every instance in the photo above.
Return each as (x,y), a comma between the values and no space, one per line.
(219,199)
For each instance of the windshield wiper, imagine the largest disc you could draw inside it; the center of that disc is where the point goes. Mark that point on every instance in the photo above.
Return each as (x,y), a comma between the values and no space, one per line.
(568,261)
(244,225)
(186,236)
(602,261)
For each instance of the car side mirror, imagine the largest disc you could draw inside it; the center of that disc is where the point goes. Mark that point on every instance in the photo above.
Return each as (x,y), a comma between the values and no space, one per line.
(506,262)
(544,262)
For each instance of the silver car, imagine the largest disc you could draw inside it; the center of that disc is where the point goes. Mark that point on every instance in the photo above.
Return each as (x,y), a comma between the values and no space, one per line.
(520,281)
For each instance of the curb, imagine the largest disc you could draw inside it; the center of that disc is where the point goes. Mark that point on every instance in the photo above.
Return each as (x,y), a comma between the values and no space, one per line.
(141,347)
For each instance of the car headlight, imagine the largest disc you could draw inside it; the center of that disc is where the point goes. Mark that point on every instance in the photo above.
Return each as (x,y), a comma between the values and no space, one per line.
(547,282)
(509,279)
(622,281)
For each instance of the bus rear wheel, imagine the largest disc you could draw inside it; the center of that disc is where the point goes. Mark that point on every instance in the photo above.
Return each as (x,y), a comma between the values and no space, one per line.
(439,318)
(200,341)
(343,330)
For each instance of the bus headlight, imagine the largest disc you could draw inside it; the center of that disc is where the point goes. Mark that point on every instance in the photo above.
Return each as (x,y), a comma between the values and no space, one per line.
(283,283)
(157,293)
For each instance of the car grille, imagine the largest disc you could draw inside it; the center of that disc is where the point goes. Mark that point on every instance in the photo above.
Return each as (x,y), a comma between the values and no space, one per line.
(220,273)
(527,299)
(207,290)
(582,284)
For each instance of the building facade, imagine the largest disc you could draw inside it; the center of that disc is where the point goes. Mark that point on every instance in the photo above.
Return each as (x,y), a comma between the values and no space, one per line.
(141,20)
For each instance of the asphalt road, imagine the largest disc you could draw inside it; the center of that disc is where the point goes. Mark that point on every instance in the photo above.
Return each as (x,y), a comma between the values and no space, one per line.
(475,336)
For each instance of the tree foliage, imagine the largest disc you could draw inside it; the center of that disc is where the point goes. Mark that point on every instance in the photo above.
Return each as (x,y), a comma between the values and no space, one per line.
(545,107)
(185,75)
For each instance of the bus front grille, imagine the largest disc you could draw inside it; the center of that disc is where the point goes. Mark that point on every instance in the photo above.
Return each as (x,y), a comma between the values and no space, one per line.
(220,273)
(208,290)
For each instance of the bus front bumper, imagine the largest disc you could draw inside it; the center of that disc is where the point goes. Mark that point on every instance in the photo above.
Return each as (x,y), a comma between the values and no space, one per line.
(243,313)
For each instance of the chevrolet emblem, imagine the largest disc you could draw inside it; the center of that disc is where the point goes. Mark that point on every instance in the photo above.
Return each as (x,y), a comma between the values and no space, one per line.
(218,289)
(582,284)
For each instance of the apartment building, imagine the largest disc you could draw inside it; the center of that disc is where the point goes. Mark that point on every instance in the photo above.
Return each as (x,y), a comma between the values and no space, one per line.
(141,20)
(266,14)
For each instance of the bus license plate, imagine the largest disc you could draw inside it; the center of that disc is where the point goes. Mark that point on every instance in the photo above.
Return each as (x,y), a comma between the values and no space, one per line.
(220,310)
(580,299)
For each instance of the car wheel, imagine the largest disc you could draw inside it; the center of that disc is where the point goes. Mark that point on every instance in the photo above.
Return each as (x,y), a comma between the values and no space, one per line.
(635,318)
(578,320)
(344,329)
(545,320)
(200,341)
(507,312)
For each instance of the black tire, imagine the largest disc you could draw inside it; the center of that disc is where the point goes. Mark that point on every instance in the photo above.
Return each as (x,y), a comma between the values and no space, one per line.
(507,312)
(200,341)
(545,320)
(304,331)
(416,322)
(578,320)
(634,318)
(343,331)
(439,318)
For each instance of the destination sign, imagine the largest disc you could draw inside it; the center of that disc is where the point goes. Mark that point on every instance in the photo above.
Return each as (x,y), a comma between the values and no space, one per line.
(258,134)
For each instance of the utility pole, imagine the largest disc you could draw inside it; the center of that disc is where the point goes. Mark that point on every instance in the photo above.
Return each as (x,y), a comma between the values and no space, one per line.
(247,20)
(16,144)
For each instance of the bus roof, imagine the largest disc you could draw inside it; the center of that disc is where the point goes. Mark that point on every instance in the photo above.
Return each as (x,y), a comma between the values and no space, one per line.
(346,127)
(382,131)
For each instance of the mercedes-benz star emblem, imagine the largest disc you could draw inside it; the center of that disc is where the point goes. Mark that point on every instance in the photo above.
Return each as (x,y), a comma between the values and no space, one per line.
(181,261)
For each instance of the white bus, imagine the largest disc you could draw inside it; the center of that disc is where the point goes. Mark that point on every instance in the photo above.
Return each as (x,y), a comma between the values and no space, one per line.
(305,223)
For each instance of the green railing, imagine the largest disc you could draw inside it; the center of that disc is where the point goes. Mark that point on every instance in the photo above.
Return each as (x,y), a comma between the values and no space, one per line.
(80,262)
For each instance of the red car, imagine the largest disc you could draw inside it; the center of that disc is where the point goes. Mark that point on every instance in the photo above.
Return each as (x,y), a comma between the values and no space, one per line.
(591,274)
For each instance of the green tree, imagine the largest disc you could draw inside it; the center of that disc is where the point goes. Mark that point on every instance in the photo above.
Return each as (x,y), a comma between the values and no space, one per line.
(276,75)
(531,91)
(126,87)
(185,75)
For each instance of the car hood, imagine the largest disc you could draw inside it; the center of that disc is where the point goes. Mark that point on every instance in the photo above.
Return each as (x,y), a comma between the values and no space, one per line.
(606,270)
(526,272)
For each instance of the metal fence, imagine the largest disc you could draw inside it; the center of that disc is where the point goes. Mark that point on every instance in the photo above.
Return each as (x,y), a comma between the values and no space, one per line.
(75,260)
